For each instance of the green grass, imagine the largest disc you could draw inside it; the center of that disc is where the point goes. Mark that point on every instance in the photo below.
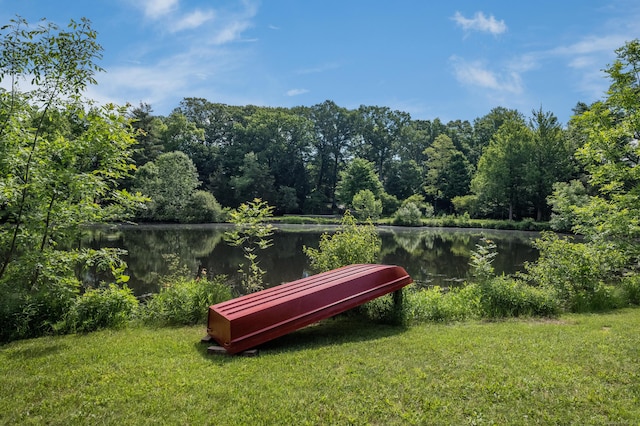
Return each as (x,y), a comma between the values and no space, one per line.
(578,369)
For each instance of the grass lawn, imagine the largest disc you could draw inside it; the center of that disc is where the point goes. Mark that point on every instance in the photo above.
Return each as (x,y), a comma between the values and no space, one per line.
(579,369)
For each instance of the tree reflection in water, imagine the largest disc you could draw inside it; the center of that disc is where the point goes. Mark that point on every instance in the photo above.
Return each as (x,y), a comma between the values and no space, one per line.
(432,256)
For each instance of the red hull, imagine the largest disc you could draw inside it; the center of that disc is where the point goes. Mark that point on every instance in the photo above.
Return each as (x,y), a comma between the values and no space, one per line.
(247,321)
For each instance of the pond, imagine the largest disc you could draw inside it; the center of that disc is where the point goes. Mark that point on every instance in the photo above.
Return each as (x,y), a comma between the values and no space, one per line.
(432,256)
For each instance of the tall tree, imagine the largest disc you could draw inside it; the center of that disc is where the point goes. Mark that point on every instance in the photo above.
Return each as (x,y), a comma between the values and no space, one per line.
(405,178)
(550,160)
(381,130)
(447,172)
(416,136)
(171,181)
(500,180)
(254,180)
(611,157)
(359,175)
(281,140)
(486,126)
(182,134)
(334,128)
(462,135)
(60,163)
(148,131)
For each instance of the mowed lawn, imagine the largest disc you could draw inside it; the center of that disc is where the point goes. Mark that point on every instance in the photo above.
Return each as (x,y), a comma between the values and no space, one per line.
(578,369)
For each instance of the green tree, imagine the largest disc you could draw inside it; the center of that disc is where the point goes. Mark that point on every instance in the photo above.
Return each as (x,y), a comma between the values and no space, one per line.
(611,155)
(447,172)
(405,178)
(334,129)
(585,274)
(148,132)
(566,197)
(359,175)
(254,180)
(381,129)
(281,141)
(171,182)
(60,163)
(182,134)
(550,160)
(500,180)
(417,136)
(485,127)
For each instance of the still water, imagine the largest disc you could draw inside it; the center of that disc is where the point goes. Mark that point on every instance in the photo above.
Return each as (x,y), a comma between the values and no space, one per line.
(432,256)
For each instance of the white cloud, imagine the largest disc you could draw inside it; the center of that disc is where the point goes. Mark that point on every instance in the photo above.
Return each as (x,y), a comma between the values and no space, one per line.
(155,9)
(592,45)
(586,58)
(192,20)
(296,92)
(479,22)
(475,74)
(231,31)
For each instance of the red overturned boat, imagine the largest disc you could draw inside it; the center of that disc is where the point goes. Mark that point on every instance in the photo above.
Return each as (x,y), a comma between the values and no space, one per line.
(248,321)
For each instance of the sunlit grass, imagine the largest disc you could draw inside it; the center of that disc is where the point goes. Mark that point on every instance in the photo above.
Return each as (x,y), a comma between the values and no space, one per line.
(579,369)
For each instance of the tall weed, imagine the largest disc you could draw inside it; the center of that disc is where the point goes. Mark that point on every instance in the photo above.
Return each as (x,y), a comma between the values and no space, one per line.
(506,296)
(110,307)
(434,304)
(185,301)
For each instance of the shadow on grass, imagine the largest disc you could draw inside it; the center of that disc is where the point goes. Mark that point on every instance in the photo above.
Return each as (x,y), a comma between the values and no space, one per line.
(339,330)
(34,352)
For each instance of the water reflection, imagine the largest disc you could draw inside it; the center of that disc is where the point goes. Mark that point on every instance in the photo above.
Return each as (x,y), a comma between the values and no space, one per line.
(432,256)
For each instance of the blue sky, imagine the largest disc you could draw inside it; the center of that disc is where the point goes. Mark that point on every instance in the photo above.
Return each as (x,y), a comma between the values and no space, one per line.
(451,60)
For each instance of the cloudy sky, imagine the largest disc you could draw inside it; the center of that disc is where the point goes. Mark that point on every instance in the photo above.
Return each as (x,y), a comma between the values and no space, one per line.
(451,60)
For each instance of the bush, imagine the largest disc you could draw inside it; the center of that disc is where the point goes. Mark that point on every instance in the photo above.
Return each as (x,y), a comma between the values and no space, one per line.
(434,304)
(505,296)
(631,287)
(110,307)
(579,273)
(390,203)
(388,309)
(408,215)
(352,243)
(366,206)
(185,301)
(202,208)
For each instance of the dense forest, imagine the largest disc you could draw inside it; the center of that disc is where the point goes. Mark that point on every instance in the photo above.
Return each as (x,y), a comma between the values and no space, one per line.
(313,160)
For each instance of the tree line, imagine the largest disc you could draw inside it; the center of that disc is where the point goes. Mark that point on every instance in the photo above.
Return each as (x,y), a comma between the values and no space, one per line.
(313,160)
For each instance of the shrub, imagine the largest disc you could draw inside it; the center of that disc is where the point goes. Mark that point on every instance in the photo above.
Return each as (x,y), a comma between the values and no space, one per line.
(109,307)
(185,301)
(434,304)
(408,215)
(631,287)
(202,208)
(388,309)
(390,203)
(505,296)
(366,206)
(252,233)
(352,243)
(577,272)
(482,259)
(466,204)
